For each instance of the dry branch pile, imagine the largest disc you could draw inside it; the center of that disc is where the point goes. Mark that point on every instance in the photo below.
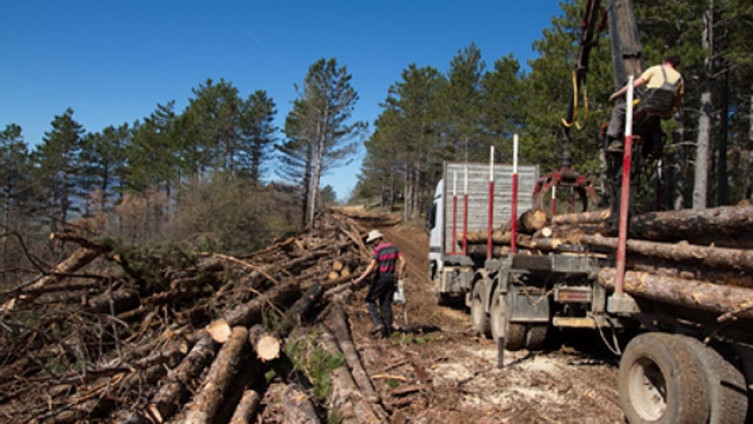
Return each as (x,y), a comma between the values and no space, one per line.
(152,336)
(697,259)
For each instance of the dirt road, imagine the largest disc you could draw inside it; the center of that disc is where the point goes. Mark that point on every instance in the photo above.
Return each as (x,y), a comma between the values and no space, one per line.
(438,371)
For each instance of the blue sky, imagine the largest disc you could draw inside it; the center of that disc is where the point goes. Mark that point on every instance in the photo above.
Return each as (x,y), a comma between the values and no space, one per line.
(113,61)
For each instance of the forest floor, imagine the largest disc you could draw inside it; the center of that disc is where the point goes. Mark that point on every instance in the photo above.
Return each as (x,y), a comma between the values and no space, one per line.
(435,369)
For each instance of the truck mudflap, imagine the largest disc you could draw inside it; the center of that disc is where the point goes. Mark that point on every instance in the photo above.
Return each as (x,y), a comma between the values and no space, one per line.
(528,304)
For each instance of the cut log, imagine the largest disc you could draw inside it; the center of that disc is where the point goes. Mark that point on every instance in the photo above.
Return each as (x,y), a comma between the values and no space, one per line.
(697,294)
(591,217)
(715,257)
(346,398)
(167,399)
(265,344)
(531,221)
(298,407)
(249,313)
(116,301)
(333,275)
(729,226)
(220,330)
(77,260)
(339,327)
(689,270)
(246,408)
(205,405)
(304,304)
(337,265)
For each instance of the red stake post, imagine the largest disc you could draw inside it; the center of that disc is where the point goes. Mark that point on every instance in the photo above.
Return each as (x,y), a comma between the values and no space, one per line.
(514,208)
(625,193)
(465,213)
(490,218)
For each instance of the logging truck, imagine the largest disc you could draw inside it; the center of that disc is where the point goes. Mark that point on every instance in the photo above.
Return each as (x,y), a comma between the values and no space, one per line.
(671,294)
(681,319)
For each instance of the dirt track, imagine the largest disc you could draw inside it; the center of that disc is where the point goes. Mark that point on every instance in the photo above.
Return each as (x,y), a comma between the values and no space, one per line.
(438,371)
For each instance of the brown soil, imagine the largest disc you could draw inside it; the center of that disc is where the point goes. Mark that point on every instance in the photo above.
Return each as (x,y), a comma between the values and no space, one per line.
(436,370)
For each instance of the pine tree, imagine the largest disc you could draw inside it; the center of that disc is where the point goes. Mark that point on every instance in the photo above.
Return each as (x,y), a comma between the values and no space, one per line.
(57,160)
(325,105)
(257,133)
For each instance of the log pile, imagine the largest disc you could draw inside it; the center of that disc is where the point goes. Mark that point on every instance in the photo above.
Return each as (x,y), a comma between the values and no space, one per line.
(701,260)
(150,337)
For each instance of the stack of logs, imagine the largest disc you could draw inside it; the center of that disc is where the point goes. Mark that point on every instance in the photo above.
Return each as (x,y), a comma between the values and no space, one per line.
(192,341)
(701,259)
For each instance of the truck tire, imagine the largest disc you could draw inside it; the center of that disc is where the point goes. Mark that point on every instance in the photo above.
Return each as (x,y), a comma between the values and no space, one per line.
(516,336)
(727,391)
(498,317)
(479,317)
(442,299)
(513,332)
(660,381)
(536,336)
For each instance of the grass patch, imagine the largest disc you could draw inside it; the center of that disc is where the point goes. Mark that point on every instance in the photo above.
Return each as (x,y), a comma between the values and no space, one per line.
(315,362)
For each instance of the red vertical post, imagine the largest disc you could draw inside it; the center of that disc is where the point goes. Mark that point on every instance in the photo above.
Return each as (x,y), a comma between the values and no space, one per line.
(454,212)
(554,200)
(490,212)
(465,213)
(625,191)
(514,206)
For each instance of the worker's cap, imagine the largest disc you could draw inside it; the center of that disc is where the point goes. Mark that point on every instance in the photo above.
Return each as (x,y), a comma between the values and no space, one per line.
(373,235)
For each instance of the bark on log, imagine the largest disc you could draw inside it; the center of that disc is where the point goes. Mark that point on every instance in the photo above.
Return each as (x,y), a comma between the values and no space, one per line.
(725,225)
(244,412)
(77,260)
(116,301)
(249,313)
(696,294)
(678,270)
(304,304)
(167,399)
(339,328)
(298,407)
(499,237)
(592,217)
(715,257)
(206,403)
(479,251)
(346,398)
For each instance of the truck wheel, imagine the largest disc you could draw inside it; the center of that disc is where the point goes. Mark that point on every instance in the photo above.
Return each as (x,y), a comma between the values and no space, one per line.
(659,381)
(478,316)
(536,336)
(727,391)
(516,336)
(498,317)
(442,299)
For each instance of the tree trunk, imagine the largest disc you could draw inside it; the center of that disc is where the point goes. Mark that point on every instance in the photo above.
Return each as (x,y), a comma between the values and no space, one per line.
(250,312)
(531,221)
(725,225)
(246,408)
(346,398)
(696,294)
(206,403)
(715,257)
(700,188)
(339,328)
(593,217)
(167,400)
(298,407)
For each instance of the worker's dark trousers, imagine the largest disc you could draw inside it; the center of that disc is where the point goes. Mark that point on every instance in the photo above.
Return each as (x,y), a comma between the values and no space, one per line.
(381,291)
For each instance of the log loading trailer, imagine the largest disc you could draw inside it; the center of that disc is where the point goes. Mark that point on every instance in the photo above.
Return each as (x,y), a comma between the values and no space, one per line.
(671,295)
(681,319)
